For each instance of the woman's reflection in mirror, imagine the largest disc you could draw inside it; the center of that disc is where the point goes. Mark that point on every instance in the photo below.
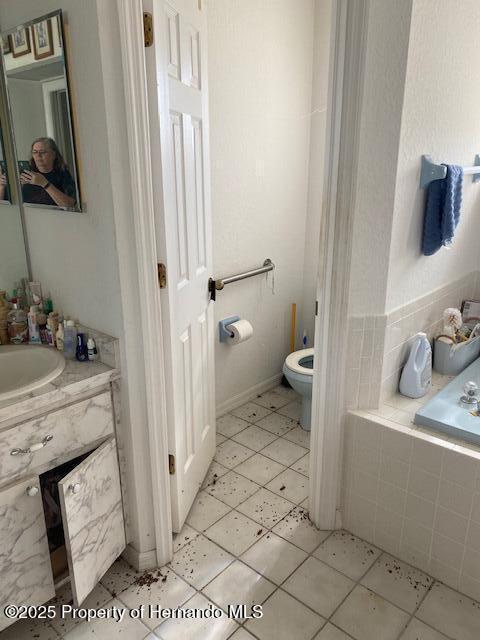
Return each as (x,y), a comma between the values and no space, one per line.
(48,181)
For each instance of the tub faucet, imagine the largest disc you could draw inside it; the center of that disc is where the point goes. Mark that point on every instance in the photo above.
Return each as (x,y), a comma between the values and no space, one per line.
(470,397)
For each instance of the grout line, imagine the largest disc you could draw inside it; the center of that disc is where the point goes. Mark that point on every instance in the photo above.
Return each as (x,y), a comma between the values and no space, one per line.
(435,511)
(407,484)
(412,616)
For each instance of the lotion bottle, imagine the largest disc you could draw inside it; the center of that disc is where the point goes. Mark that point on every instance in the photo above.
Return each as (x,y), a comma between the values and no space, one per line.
(59,337)
(416,376)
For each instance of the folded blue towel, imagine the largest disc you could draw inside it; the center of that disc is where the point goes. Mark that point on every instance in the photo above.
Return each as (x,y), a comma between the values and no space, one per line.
(442,210)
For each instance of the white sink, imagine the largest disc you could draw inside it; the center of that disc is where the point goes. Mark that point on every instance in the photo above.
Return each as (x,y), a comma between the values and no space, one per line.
(24,368)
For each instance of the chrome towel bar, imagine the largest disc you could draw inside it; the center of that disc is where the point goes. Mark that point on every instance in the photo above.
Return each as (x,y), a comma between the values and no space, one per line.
(217,285)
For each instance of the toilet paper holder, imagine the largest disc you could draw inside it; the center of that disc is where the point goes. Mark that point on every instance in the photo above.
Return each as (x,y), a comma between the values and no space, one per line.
(223,330)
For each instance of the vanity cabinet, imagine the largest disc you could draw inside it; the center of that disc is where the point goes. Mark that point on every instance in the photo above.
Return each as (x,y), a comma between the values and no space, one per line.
(90,501)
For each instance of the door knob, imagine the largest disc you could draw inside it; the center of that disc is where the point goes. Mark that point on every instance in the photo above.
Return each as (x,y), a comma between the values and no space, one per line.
(32,491)
(75,488)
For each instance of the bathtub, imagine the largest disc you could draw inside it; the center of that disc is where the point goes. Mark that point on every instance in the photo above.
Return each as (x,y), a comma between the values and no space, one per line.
(445,414)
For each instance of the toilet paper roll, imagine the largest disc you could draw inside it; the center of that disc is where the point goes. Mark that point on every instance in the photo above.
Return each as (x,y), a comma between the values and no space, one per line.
(242,330)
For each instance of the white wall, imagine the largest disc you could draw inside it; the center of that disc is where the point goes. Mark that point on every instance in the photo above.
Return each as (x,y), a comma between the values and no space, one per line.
(26,103)
(421,96)
(318,123)
(260,78)
(380,120)
(441,118)
(13,265)
(74,255)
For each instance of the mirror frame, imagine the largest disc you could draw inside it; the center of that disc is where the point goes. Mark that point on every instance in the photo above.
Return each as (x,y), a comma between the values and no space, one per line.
(79,208)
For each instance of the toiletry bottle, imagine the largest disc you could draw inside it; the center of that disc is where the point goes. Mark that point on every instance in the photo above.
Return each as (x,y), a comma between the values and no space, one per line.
(48,304)
(81,352)
(4,311)
(17,325)
(52,328)
(33,328)
(42,326)
(36,294)
(417,373)
(70,340)
(21,295)
(92,350)
(50,333)
(59,337)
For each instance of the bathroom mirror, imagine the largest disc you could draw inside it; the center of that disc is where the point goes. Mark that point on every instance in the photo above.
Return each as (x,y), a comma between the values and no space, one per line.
(39,100)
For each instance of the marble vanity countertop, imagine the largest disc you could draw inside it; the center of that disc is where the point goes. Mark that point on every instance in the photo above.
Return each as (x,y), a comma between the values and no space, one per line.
(76,379)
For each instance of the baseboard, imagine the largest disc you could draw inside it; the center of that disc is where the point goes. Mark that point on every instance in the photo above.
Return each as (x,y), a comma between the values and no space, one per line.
(245,396)
(140,560)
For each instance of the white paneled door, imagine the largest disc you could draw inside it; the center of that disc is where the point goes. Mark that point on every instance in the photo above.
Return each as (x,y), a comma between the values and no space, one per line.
(178,113)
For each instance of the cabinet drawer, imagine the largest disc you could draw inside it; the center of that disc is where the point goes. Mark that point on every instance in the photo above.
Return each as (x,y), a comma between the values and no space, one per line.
(60,432)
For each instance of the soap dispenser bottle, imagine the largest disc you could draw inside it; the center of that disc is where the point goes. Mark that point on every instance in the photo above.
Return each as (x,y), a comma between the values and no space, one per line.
(416,376)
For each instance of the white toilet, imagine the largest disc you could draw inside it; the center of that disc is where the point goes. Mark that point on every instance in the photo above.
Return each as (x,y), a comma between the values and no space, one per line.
(298,370)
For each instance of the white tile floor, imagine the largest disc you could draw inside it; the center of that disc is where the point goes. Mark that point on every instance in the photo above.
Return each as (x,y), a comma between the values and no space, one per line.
(248,540)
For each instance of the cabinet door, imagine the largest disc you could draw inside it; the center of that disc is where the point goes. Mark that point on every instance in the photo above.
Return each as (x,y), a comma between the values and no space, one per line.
(25,570)
(92,512)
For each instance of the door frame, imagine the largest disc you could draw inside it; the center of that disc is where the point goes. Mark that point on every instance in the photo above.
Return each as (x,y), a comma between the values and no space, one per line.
(130,15)
(344,102)
(345,95)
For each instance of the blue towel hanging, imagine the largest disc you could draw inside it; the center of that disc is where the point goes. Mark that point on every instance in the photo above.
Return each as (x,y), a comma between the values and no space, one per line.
(442,210)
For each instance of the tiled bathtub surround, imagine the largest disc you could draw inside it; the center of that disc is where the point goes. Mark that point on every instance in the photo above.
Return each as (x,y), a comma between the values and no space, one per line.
(415,496)
(378,346)
(424,314)
(365,350)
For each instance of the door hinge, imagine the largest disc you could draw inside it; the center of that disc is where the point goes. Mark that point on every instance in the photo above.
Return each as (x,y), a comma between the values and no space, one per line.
(147,29)
(171,464)
(316,307)
(162,275)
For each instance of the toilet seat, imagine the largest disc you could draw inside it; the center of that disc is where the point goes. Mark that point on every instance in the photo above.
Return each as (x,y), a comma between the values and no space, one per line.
(292,361)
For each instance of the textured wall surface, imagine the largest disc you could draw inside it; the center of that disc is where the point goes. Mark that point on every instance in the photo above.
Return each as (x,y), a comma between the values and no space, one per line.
(260,77)
(380,119)
(440,118)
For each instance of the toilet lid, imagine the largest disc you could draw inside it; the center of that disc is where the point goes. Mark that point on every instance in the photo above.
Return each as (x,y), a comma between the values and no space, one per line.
(292,361)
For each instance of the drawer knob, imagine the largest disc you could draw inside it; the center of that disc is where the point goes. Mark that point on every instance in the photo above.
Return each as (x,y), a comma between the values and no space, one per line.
(32,491)
(34,447)
(75,488)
